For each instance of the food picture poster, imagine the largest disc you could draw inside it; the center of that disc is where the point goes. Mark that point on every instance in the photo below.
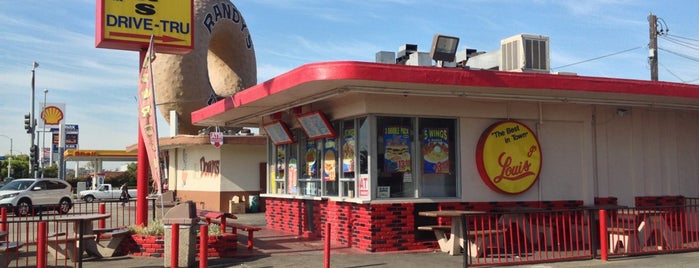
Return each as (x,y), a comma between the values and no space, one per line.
(329,161)
(348,151)
(311,160)
(396,149)
(435,151)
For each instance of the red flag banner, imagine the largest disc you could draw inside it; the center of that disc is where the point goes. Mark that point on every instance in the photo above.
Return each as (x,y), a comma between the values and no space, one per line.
(146,116)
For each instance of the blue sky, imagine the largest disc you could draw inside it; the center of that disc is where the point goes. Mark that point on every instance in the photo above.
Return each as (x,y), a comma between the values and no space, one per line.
(99,86)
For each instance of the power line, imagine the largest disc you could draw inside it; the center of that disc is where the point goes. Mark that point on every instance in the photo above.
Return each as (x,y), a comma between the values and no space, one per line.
(682,37)
(682,43)
(673,74)
(600,57)
(679,54)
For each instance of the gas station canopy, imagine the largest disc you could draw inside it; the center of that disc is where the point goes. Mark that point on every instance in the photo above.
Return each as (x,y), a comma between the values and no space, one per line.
(100,155)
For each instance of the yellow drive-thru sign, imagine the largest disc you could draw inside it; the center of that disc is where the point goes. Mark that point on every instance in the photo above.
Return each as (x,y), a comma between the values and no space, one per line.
(129,24)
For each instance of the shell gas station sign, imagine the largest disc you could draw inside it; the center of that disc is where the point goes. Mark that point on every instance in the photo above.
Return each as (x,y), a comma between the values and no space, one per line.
(509,157)
(129,24)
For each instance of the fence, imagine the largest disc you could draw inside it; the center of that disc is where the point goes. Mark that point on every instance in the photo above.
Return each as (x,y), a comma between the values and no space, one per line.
(537,236)
(25,229)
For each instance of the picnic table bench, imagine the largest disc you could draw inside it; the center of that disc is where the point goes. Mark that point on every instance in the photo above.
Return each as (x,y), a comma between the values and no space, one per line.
(109,239)
(8,250)
(220,218)
(478,240)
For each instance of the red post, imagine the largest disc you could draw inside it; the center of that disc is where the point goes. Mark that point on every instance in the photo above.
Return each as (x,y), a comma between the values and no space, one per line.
(250,238)
(603,236)
(101,223)
(141,169)
(175,246)
(3,216)
(326,250)
(223,225)
(203,246)
(41,245)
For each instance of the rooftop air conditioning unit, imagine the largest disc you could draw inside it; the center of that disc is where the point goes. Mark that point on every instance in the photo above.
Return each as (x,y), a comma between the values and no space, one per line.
(525,53)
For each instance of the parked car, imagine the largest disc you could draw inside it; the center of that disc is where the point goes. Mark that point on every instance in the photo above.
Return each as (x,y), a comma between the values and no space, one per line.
(103,192)
(23,196)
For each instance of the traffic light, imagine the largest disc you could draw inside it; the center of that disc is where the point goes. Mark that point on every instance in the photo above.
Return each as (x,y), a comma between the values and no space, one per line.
(28,123)
(33,155)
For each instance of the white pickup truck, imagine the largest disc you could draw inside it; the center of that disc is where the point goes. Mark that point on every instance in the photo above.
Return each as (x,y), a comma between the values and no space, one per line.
(103,192)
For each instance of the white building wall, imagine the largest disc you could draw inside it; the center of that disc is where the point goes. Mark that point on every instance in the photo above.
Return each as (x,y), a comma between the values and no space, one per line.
(240,171)
(647,153)
(190,174)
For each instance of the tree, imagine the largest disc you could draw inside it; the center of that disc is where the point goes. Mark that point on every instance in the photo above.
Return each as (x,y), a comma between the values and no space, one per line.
(20,166)
(50,171)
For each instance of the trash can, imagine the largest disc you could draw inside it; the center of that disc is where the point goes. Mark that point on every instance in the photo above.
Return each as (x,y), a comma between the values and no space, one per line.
(185,215)
(254,203)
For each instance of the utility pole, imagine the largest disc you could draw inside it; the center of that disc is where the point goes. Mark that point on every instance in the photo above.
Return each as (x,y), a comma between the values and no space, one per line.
(653,46)
(32,122)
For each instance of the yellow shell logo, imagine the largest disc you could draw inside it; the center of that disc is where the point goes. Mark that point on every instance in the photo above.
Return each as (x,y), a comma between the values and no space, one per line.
(52,115)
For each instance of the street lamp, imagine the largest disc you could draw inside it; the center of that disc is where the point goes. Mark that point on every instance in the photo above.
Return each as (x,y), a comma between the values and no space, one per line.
(9,162)
(43,133)
(32,121)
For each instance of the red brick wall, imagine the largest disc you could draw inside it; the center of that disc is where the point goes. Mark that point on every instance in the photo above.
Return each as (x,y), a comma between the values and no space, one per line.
(285,215)
(372,227)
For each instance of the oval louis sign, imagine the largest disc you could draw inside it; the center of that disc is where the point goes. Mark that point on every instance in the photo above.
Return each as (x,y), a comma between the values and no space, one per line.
(509,157)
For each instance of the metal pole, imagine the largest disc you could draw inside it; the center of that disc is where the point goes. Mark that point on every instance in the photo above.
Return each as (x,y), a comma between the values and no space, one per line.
(9,164)
(32,121)
(43,133)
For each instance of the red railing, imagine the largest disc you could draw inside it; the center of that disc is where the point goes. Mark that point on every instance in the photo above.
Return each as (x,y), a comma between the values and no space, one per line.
(512,237)
(25,229)
(532,236)
(652,230)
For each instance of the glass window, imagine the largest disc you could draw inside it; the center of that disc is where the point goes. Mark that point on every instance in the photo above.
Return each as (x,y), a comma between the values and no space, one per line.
(349,158)
(292,171)
(280,158)
(309,181)
(438,157)
(395,148)
(364,145)
(330,167)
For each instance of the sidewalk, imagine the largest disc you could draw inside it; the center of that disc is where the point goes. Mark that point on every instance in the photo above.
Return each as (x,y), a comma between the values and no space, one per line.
(279,249)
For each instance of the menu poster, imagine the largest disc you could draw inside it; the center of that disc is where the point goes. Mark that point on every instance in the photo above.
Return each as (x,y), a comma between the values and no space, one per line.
(396,149)
(316,125)
(435,151)
(329,161)
(311,157)
(348,151)
(278,133)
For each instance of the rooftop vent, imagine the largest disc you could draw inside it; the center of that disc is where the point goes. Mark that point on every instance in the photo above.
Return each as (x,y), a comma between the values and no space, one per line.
(525,53)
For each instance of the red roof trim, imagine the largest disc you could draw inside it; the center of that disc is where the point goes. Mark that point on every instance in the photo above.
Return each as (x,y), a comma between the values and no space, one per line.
(350,70)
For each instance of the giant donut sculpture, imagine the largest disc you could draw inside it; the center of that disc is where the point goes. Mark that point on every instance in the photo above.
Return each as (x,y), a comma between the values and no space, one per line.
(221,63)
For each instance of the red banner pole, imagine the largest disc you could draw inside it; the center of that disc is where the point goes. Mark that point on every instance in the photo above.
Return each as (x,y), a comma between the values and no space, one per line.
(141,169)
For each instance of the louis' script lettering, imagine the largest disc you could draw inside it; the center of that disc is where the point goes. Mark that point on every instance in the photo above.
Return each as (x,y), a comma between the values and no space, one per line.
(512,173)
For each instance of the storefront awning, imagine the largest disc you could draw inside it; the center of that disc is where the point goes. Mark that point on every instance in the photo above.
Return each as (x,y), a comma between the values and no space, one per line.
(318,81)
